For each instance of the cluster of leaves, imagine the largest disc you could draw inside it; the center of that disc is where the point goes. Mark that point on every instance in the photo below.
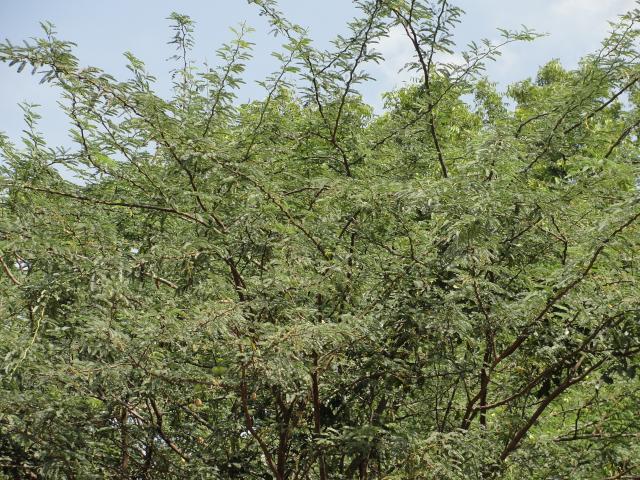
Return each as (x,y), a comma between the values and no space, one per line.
(297,288)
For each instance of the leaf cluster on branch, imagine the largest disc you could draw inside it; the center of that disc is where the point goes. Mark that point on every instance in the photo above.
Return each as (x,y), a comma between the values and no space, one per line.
(297,287)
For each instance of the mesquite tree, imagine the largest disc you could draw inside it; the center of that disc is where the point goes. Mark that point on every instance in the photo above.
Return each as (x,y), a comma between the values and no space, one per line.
(297,287)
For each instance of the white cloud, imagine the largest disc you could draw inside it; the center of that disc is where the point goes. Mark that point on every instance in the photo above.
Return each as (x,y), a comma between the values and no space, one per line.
(397,51)
(582,9)
(575,28)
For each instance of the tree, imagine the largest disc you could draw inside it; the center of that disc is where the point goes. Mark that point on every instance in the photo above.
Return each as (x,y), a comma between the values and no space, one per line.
(297,287)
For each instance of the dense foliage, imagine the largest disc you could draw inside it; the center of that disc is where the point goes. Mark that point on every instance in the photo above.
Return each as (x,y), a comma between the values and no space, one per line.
(299,288)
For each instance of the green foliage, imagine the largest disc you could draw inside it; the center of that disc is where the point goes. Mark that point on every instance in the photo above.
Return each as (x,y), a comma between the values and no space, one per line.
(297,287)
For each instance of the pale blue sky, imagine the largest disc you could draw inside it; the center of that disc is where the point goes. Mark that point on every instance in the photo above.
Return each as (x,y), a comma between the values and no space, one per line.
(104,30)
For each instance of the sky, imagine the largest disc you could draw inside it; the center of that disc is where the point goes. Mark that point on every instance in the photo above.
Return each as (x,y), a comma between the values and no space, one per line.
(105,30)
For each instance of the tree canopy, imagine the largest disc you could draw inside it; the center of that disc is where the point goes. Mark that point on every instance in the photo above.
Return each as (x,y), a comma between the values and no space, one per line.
(301,287)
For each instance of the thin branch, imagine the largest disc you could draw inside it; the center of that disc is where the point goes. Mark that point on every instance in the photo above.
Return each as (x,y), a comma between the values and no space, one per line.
(97,201)
(633,81)
(624,135)
(7,270)
(249,424)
